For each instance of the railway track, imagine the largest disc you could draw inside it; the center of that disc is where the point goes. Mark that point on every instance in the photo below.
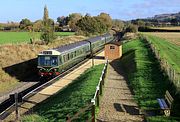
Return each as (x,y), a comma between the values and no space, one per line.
(8,106)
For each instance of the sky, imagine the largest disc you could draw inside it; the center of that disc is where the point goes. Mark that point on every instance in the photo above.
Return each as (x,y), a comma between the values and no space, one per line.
(16,10)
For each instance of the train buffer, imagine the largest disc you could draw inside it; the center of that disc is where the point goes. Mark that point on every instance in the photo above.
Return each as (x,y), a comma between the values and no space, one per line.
(166,103)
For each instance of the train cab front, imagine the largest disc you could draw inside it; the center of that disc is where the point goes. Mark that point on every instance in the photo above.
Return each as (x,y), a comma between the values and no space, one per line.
(48,65)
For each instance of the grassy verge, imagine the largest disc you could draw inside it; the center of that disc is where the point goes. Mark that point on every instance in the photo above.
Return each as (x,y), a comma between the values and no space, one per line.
(163,119)
(70,100)
(19,37)
(144,74)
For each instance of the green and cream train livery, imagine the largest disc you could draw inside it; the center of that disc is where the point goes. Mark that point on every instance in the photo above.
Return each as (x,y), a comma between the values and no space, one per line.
(53,62)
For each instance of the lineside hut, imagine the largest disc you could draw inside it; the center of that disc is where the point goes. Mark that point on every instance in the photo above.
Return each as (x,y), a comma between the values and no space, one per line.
(113,50)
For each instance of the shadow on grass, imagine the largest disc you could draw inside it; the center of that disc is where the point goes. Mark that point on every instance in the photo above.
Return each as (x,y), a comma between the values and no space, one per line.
(24,72)
(70,99)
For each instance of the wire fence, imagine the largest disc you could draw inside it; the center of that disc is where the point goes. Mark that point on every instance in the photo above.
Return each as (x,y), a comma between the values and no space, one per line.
(173,75)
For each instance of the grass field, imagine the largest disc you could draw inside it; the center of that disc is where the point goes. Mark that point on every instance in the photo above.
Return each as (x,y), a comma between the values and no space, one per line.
(19,37)
(168,28)
(168,51)
(68,101)
(173,37)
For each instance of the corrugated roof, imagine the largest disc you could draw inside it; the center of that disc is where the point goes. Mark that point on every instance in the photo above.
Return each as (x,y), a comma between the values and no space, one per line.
(64,48)
(118,43)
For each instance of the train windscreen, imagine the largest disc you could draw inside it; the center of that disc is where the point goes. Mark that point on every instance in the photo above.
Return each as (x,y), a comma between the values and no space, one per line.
(48,61)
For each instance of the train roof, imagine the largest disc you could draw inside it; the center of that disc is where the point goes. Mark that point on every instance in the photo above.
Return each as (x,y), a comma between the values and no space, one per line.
(68,47)
(64,48)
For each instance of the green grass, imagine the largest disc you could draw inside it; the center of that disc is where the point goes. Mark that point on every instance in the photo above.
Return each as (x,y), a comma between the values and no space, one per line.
(65,33)
(19,37)
(144,74)
(162,119)
(71,99)
(168,51)
(145,77)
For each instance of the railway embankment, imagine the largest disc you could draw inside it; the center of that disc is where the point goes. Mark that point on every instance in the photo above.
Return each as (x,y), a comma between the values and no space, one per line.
(18,65)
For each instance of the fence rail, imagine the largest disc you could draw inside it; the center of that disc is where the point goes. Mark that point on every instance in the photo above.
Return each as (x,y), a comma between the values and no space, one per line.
(172,74)
(99,90)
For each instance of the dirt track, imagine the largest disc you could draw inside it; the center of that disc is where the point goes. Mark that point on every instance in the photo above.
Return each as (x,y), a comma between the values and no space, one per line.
(117,103)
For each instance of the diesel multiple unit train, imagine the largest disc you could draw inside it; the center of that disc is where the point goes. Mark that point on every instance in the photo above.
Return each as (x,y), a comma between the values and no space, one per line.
(52,62)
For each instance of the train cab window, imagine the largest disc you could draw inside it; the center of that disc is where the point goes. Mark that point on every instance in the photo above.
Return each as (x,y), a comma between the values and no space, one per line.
(112,47)
(44,60)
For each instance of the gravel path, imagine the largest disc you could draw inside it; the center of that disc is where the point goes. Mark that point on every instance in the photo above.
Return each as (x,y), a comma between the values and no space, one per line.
(117,103)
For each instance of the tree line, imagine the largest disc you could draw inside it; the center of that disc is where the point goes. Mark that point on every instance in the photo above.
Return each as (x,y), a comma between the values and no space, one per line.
(82,25)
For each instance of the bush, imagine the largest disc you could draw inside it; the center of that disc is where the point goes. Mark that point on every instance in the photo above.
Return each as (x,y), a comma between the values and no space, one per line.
(131,28)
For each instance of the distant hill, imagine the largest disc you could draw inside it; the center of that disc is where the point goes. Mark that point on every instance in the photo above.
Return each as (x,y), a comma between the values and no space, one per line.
(167,17)
(162,20)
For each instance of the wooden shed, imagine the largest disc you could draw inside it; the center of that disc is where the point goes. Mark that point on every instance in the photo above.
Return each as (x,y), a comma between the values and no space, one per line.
(113,50)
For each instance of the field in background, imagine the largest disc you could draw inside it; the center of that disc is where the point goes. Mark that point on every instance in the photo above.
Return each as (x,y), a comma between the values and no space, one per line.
(168,51)
(173,37)
(168,28)
(19,37)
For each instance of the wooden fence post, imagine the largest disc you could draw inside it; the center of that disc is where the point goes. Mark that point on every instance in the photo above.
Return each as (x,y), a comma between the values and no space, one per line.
(103,77)
(16,105)
(97,88)
(93,110)
(101,87)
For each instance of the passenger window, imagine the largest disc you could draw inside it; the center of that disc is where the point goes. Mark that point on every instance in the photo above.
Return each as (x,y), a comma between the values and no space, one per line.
(75,53)
(60,60)
(64,58)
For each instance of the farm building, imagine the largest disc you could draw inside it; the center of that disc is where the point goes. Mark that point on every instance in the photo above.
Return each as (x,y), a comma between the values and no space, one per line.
(113,50)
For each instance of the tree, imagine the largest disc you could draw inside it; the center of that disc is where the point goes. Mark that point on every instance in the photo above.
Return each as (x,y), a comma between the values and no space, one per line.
(174,22)
(73,19)
(25,24)
(117,24)
(63,21)
(132,28)
(106,19)
(38,25)
(91,25)
(48,27)
(140,23)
